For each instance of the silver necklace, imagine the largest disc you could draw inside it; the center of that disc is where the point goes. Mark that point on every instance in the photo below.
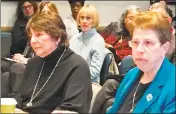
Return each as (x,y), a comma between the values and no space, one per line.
(29,104)
(134,95)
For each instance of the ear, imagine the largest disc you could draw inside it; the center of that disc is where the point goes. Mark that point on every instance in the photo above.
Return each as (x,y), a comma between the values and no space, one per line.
(58,41)
(166,46)
(170,19)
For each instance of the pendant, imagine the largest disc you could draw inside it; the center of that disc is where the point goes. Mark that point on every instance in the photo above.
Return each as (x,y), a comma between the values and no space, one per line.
(131,110)
(29,104)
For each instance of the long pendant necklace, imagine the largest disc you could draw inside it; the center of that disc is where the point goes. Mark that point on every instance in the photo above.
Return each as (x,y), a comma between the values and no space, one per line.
(133,106)
(29,104)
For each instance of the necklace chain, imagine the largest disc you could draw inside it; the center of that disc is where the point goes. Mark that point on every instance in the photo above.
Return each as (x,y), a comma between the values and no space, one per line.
(134,95)
(34,96)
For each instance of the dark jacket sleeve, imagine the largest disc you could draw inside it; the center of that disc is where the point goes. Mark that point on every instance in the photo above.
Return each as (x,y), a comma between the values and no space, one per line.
(19,37)
(77,90)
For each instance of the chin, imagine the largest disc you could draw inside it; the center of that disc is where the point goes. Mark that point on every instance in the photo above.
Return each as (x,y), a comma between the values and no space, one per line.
(144,68)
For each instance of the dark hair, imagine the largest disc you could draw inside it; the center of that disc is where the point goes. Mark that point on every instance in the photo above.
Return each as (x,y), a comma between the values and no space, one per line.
(19,11)
(169,12)
(74,1)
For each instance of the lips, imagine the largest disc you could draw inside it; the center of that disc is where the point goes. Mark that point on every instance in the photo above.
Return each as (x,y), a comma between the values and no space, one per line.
(140,59)
(84,25)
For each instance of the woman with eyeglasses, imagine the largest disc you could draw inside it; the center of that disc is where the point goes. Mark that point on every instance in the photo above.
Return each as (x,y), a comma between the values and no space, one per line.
(149,87)
(21,50)
(25,10)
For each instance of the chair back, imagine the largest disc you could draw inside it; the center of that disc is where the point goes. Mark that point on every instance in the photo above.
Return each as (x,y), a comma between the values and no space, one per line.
(105,68)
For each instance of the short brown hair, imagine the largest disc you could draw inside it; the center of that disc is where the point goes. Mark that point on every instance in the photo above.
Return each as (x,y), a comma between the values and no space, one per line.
(92,11)
(51,23)
(51,6)
(154,21)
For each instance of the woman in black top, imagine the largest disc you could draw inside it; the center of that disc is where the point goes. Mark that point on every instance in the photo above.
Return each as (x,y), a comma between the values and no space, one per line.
(25,10)
(56,78)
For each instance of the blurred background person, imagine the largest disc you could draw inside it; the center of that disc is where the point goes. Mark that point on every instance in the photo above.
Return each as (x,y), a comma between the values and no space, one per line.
(25,10)
(72,27)
(116,34)
(89,44)
(166,13)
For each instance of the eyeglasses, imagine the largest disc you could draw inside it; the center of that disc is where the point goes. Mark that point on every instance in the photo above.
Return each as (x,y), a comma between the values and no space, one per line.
(28,6)
(146,44)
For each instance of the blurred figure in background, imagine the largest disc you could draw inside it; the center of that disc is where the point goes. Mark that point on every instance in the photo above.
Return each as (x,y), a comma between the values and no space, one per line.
(89,44)
(166,13)
(72,27)
(116,34)
(25,10)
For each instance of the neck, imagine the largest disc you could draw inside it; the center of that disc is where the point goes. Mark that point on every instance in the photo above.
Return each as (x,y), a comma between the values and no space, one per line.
(150,75)
(74,16)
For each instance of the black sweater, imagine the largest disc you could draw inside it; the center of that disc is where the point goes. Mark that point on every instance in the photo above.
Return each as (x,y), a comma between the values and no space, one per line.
(69,88)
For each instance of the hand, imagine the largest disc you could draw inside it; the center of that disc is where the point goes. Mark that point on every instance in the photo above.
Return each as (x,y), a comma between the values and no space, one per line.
(108,45)
(20,58)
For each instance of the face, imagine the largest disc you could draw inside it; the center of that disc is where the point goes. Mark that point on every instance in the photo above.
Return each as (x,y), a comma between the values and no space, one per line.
(85,22)
(147,51)
(28,9)
(76,7)
(42,43)
(129,17)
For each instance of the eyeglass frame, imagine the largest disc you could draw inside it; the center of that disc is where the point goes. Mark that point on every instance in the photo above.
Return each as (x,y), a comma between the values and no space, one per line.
(26,7)
(152,44)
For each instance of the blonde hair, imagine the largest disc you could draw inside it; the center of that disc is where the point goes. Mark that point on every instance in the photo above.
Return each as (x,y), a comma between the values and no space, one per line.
(154,21)
(92,11)
(51,6)
(50,23)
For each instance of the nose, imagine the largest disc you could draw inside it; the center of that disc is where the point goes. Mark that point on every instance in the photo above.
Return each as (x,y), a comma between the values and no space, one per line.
(84,20)
(33,40)
(140,47)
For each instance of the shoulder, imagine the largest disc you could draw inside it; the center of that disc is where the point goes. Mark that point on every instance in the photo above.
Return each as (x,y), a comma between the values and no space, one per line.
(132,73)
(76,59)
(98,38)
(75,38)
(33,60)
(76,62)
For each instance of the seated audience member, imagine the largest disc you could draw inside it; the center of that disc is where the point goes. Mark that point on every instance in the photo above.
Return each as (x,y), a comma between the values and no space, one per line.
(110,33)
(89,44)
(50,80)
(20,47)
(17,69)
(146,88)
(116,34)
(167,13)
(49,7)
(25,10)
(70,22)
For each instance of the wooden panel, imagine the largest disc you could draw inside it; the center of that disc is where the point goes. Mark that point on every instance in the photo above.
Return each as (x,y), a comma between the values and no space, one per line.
(6,29)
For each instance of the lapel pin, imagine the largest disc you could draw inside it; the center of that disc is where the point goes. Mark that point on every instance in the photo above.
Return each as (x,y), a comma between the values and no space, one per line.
(149,97)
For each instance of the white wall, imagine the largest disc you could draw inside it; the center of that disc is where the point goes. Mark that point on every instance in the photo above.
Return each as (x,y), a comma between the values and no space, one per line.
(108,10)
